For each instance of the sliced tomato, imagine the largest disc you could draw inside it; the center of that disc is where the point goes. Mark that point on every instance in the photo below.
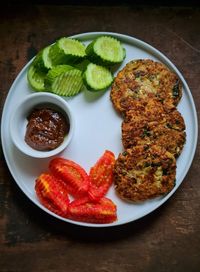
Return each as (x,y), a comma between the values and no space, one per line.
(85,210)
(52,193)
(74,176)
(101,176)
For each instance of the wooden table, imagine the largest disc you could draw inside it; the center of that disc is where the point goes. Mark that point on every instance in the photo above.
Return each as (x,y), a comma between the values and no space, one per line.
(165,240)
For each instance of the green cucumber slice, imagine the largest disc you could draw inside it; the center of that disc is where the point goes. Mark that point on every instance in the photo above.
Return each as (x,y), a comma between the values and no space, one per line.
(64,80)
(97,78)
(105,50)
(54,73)
(42,60)
(36,78)
(67,51)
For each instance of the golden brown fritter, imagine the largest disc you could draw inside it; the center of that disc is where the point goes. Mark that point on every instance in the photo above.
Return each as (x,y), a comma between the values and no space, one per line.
(144,172)
(149,123)
(142,77)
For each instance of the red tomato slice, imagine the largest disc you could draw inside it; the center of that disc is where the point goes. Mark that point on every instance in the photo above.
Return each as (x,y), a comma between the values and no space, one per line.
(101,176)
(52,193)
(74,176)
(85,210)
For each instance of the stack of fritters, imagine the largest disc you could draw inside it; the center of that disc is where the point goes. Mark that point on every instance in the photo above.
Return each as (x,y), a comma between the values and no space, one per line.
(153,131)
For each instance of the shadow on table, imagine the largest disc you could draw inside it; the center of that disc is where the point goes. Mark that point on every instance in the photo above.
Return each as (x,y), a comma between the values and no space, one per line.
(105,234)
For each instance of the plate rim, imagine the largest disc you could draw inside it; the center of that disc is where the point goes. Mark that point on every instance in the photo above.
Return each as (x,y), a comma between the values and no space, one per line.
(165,60)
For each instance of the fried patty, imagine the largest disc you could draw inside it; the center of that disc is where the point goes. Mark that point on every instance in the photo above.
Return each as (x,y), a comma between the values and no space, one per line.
(150,123)
(142,77)
(144,172)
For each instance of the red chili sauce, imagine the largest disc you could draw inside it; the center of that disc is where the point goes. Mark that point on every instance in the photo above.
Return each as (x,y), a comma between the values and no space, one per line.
(46,129)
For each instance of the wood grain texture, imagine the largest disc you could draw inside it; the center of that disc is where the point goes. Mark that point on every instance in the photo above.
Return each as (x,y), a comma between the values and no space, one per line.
(167,239)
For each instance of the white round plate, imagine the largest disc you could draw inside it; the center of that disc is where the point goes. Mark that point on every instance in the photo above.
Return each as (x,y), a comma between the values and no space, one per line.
(97,128)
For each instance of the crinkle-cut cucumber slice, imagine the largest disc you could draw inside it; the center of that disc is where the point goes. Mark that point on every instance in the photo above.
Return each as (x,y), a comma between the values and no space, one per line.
(106,50)
(36,78)
(55,72)
(64,81)
(97,78)
(67,51)
(42,60)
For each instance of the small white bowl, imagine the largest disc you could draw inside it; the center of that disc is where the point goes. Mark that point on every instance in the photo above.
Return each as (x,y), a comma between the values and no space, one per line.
(18,122)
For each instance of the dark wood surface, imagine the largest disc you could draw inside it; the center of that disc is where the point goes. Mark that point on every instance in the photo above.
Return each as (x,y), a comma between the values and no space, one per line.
(165,240)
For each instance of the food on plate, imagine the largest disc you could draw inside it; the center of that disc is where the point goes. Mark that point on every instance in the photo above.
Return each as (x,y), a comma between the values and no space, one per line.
(101,176)
(42,61)
(142,77)
(64,80)
(97,78)
(36,78)
(150,107)
(67,50)
(144,126)
(61,67)
(146,93)
(55,72)
(144,172)
(50,69)
(38,69)
(68,179)
(74,176)
(84,210)
(46,129)
(106,51)
(52,193)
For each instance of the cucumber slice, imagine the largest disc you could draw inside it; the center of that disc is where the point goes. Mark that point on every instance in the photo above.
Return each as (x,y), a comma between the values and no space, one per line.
(97,78)
(42,60)
(67,51)
(105,50)
(36,78)
(54,73)
(64,80)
